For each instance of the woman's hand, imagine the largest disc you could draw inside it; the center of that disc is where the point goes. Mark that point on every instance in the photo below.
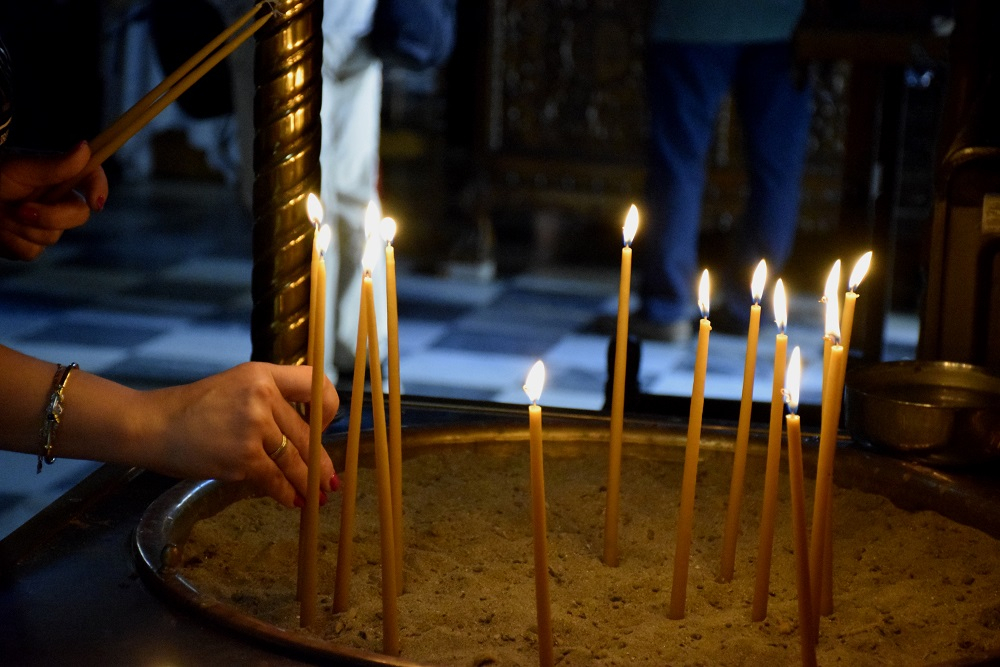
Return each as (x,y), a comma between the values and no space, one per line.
(29,223)
(227,426)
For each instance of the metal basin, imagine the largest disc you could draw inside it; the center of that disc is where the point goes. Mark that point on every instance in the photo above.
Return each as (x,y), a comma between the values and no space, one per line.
(937,412)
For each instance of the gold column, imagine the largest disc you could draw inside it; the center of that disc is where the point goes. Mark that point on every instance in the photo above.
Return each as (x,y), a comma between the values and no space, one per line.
(288,84)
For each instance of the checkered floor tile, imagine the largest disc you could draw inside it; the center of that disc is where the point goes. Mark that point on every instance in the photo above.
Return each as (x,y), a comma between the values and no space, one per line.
(155,290)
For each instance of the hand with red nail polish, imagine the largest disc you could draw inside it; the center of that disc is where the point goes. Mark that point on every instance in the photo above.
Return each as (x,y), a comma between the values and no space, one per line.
(29,222)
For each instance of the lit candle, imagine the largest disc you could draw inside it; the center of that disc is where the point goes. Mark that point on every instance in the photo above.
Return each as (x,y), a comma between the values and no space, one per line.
(314,211)
(743,428)
(799,539)
(847,320)
(309,530)
(390,625)
(345,544)
(765,544)
(388,232)
(830,292)
(533,388)
(618,393)
(678,593)
(833,391)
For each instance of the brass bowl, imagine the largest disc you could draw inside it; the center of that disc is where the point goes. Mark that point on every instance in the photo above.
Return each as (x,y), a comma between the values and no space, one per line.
(940,413)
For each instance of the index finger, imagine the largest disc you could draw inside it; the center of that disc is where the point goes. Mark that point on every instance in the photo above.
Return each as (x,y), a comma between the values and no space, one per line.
(295,384)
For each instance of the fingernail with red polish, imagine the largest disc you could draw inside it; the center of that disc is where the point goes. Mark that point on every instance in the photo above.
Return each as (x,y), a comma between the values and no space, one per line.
(28,214)
(334,482)
(300,502)
(99,204)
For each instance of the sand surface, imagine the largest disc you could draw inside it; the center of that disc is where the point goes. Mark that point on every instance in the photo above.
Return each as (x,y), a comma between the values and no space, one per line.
(910,588)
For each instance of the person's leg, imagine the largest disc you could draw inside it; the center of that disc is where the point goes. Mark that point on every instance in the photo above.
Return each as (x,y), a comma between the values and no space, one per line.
(686,84)
(350,115)
(776,111)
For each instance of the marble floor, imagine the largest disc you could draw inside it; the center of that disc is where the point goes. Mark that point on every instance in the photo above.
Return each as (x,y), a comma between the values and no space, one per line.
(155,290)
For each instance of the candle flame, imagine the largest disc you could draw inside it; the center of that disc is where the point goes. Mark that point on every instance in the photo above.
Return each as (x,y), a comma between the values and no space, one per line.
(832,283)
(703,294)
(388,230)
(533,384)
(322,239)
(832,301)
(372,217)
(631,225)
(833,318)
(759,278)
(793,380)
(314,209)
(780,306)
(860,271)
(373,249)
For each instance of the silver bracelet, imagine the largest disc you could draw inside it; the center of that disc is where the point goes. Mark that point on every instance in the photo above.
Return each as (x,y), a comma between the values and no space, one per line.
(53,413)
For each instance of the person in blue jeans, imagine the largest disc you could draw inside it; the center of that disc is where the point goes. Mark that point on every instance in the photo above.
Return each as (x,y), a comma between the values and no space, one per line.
(700,51)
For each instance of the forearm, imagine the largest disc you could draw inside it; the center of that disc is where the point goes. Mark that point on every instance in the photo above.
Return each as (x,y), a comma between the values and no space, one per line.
(99,420)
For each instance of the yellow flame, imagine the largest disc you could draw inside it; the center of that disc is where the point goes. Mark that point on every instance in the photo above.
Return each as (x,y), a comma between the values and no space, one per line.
(372,217)
(793,379)
(759,278)
(533,384)
(388,230)
(832,283)
(832,300)
(314,209)
(780,306)
(703,294)
(833,318)
(860,270)
(323,236)
(631,225)
(373,250)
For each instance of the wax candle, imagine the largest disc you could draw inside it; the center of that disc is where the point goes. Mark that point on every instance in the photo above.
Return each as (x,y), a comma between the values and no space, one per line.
(685,521)
(765,544)
(345,544)
(830,296)
(390,623)
(830,416)
(830,292)
(618,393)
(798,502)
(847,320)
(388,232)
(309,532)
(314,211)
(742,428)
(533,388)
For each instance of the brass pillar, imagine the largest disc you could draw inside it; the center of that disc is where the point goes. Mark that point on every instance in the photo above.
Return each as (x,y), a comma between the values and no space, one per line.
(287,93)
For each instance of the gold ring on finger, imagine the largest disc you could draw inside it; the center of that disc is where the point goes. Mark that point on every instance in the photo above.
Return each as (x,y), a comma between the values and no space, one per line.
(277,453)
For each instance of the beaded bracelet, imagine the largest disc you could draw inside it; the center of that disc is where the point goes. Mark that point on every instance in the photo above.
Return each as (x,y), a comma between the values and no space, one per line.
(53,413)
